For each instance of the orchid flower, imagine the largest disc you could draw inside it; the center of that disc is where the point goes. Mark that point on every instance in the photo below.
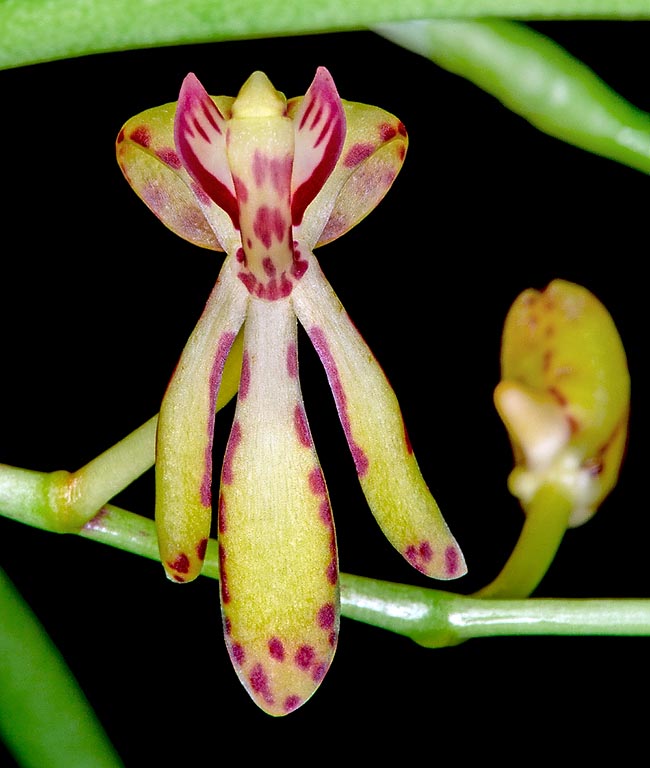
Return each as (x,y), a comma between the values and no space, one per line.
(564,396)
(266,180)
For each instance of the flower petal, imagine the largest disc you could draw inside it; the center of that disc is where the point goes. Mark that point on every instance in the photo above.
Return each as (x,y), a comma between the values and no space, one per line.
(185,431)
(319,122)
(372,421)
(372,156)
(200,137)
(279,571)
(147,155)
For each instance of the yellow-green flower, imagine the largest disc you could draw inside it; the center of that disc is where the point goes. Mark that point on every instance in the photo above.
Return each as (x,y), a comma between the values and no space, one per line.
(267,180)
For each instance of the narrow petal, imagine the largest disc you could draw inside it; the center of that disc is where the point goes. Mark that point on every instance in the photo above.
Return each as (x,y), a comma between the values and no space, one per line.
(200,137)
(319,136)
(148,158)
(185,430)
(372,156)
(279,571)
(372,421)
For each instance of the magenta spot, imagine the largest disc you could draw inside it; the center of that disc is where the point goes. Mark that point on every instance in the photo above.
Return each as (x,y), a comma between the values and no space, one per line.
(317,482)
(141,135)
(276,649)
(223,576)
(319,341)
(361,462)
(181,564)
(260,683)
(223,348)
(301,426)
(268,266)
(333,572)
(325,513)
(259,168)
(249,280)
(233,443)
(333,637)
(451,560)
(221,514)
(120,136)
(292,360)
(299,266)
(169,157)
(411,554)
(281,170)
(201,549)
(227,626)
(358,153)
(179,579)
(304,656)
(319,672)
(240,255)
(291,703)
(401,128)
(240,189)
(201,195)
(326,616)
(425,551)
(237,653)
(245,376)
(387,131)
(269,222)
(407,440)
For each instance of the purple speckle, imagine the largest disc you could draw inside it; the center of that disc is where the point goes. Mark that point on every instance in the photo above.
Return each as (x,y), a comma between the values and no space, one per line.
(451,560)
(276,649)
(292,360)
(260,683)
(291,703)
(301,426)
(201,548)
(181,564)
(227,475)
(238,654)
(326,616)
(304,656)
(357,153)
(245,377)
(426,553)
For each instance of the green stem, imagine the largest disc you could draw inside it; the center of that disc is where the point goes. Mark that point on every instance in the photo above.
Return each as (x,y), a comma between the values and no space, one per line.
(547,516)
(45,719)
(430,617)
(537,79)
(44,30)
(435,619)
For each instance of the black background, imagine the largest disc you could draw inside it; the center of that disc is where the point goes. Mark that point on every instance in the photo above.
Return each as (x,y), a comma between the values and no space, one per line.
(97,299)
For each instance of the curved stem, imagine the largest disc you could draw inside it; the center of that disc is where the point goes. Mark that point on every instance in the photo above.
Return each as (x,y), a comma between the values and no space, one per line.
(537,79)
(546,521)
(44,30)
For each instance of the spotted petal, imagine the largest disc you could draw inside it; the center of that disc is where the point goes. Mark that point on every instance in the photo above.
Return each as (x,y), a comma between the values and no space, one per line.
(147,155)
(277,546)
(185,431)
(372,421)
(370,159)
